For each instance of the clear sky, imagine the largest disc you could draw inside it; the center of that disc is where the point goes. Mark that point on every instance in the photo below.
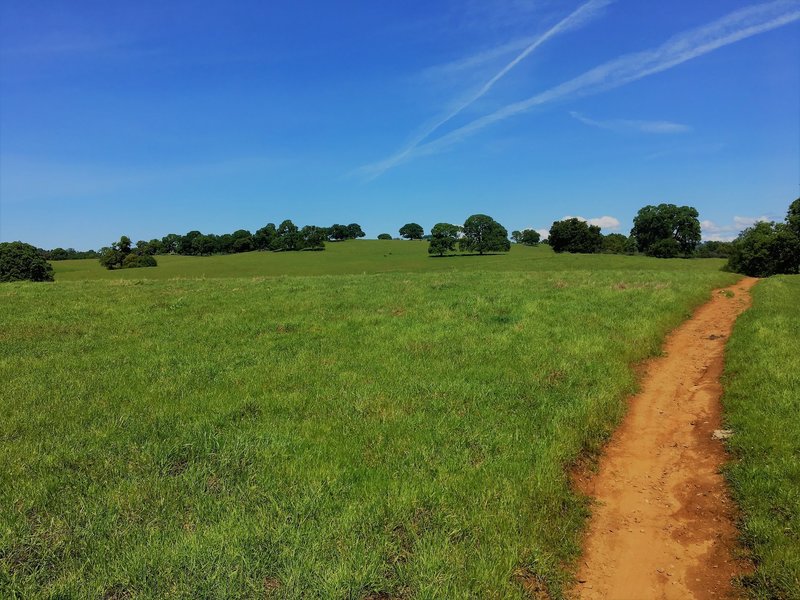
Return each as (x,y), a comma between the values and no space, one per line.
(149,117)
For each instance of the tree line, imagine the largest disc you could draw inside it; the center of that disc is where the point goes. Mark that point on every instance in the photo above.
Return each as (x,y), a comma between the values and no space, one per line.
(662,231)
(286,237)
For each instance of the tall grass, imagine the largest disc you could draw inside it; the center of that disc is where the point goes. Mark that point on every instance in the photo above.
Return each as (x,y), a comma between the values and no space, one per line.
(762,404)
(404,434)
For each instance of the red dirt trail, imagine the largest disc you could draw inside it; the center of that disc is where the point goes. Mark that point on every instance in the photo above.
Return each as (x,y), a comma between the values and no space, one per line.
(663,524)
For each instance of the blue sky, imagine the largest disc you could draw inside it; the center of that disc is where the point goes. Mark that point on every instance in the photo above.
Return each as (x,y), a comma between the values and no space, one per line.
(146,118)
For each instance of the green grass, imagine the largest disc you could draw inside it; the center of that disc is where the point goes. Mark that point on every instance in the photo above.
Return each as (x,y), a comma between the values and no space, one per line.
(369,256)
(331,436)
(762,404)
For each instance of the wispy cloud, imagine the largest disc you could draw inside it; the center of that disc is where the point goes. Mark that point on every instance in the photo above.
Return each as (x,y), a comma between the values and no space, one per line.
(604,222)
(734,27)
(456,68)
(628,125)
(578,17)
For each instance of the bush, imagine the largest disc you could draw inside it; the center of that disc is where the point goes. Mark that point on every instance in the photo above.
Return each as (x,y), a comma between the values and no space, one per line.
(21,262)
(134,261)
(384,236)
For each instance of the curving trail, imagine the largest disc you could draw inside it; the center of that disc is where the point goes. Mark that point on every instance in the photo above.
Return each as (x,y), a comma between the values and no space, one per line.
(662,526)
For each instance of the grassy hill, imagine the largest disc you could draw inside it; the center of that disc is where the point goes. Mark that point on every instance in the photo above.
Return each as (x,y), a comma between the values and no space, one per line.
(394,426)
(371,256)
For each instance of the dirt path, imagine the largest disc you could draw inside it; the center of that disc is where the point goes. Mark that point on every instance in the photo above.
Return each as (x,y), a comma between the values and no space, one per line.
(662,525)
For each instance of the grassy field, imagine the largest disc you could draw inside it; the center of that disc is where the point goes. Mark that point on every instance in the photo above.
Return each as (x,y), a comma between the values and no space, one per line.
(338,436)
(762,404)
(370,256)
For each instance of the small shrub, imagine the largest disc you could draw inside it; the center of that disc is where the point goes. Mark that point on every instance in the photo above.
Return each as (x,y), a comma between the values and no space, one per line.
(134,261)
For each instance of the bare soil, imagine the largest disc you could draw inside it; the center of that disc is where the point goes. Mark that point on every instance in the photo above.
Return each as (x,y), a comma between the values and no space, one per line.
(663,523)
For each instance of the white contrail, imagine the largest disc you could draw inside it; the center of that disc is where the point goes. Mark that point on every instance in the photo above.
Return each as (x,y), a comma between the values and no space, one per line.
(581,15)
(623,125)
(734,27)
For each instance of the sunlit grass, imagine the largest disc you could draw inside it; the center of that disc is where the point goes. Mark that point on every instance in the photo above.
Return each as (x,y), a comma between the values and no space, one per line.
(330,436)
(762,404)
(371,256)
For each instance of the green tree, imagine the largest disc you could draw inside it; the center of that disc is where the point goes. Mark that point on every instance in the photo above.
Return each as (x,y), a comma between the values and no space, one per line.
(768,248)
(384,236)
(185,244)
(615,243)
(338,233)
(793,216)
(483,234)
(288,237)
(443,239)
(121,256)
(412,231)
(113,256)
(714,249)
(526,237)
(653,224)
(312,237)
(204,245)
(265,237)
(20,262)
(575,235)
(354,231)
(170,242)
(242,241)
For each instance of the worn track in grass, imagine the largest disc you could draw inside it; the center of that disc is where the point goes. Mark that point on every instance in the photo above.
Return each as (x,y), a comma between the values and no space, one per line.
(663,524)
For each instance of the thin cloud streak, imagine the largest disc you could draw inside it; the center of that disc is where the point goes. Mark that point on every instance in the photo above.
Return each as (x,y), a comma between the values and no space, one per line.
(578,17)
(736,26)
(626,125)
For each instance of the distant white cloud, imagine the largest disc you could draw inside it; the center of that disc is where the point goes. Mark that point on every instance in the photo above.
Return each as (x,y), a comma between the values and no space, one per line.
(634,126)
(605,222)
(713,232)
(745,222)
(545,233)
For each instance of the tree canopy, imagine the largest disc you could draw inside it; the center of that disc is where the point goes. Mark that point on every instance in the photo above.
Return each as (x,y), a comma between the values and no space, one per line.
(615,243)
(444,238)
(575,235)
(22,262)
(120,255)
(384,236)
(768,248)
(653,226)
(526,237)
(481,233)
(412,231)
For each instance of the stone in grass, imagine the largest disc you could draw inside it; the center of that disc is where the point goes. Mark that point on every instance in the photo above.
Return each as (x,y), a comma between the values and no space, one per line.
(722,434)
